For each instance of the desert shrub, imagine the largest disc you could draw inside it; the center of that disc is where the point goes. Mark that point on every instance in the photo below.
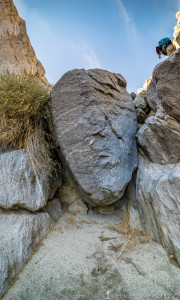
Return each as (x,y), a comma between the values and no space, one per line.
(23,118)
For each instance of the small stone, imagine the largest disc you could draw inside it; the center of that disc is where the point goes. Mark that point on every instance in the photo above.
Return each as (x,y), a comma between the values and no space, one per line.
(54,209)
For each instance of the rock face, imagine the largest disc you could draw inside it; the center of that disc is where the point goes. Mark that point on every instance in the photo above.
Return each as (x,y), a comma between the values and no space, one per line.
(95,125)
(16,52)
(155,195)
(20,232)
(19,187)
(158,203)
(165,87)
(159,138)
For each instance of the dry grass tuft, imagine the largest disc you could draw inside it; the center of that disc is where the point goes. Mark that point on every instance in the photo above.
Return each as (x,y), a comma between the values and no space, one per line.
(133,236)
(24,117)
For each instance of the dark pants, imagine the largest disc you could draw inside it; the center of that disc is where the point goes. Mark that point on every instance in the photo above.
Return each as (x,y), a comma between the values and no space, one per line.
(160,49)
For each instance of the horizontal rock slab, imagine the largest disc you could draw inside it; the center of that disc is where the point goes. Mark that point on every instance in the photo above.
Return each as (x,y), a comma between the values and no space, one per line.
(165,88)
(95,125)
(20,232)
(157,203)
(19,186)
(159,138)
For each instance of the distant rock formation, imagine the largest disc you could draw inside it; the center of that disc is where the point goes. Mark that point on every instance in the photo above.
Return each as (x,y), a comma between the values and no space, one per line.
(16,51)
(95,126)
(176,33)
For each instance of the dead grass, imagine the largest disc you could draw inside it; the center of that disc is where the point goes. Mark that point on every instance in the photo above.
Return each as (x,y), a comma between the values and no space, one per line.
(24,117)
(133,236)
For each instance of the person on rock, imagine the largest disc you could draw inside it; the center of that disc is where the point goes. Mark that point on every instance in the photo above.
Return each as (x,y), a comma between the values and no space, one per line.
(163,44)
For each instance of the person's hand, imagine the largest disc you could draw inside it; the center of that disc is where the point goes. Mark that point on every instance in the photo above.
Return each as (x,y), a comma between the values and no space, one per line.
(159,56)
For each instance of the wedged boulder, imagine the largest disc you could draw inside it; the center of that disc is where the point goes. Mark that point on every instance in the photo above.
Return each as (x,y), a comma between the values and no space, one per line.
(152,97)
(141,115)
(157,203)
(165,88)
(159,138)
(20,232)
(95,125)
(19,186)
(140,101)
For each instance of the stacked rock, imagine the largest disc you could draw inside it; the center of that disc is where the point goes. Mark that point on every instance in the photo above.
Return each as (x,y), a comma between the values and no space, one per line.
(143,110)
(176,33)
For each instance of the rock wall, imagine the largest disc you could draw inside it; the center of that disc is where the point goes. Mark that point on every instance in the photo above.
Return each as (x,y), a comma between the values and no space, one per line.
(154,197)
(28,210)
(16,51)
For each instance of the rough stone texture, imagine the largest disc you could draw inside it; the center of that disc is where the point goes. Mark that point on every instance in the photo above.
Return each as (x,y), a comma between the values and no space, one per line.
(16,52)
(19,186)
(78,207)
(159,138)
(178,38)
(140,102)
(176,33)
(67,193)
(95,125)
(152,97)
(141,115)
(77,261)
(20,232)
(54,209)
(106,210)
(157,203)
(170,49)
(55,183)
(165,87)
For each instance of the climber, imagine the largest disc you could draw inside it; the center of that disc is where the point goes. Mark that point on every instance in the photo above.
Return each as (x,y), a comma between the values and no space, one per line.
(161,49)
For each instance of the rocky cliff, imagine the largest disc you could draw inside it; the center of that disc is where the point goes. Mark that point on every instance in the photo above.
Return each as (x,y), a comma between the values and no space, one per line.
(16,51)
(154,194)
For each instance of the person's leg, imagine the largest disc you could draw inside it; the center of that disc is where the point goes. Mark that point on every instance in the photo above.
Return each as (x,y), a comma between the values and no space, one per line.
(158,51)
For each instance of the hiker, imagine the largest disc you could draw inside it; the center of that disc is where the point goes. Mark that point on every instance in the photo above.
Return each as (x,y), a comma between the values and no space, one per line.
(161,49)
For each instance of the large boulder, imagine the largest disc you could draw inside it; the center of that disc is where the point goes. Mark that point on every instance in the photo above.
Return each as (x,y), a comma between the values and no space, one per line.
(164,89)
(19,186)
(157,203)
(20,232)
(159,138)
(95,125)
(16,51)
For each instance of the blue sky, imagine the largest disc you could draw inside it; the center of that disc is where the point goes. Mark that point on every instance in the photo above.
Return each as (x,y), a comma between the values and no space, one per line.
(115,35)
